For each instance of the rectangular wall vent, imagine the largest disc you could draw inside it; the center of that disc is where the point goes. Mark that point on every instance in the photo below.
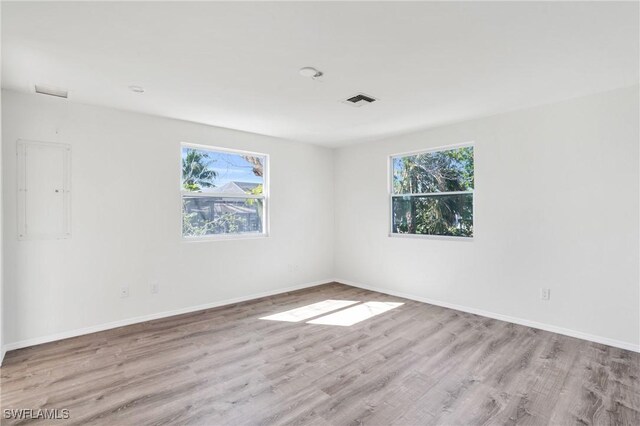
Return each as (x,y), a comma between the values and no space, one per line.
(51,91)
(359,100)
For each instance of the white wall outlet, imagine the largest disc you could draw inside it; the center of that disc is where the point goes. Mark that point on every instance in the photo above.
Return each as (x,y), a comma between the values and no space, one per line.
(155,288)
(545,293)
(124,292)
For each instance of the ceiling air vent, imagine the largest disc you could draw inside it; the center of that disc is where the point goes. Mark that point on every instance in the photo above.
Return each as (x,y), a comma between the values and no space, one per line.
(51,91)
(359,100)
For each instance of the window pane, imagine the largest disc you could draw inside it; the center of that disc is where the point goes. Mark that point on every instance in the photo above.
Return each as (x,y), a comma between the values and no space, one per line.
(439,171)
(433,215)
(217,215)
(222,172)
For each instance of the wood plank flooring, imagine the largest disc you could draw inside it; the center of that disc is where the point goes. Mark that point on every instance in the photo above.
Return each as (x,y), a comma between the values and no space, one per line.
(416,364)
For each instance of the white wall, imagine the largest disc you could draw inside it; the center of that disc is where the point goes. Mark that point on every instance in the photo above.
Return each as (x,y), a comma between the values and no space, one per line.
(556,205)
(2,347)
(126,221)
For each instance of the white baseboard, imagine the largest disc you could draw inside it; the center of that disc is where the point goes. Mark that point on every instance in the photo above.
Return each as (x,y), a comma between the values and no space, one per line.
(144,318)
(521,321)
(135,320)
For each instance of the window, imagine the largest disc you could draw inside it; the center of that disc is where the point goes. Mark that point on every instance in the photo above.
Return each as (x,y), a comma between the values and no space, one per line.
(224,193)
(432,193)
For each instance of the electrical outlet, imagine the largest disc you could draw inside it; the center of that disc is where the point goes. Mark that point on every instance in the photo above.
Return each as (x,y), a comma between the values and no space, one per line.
(124,292)
(155,288)
(293,267)
(545,293)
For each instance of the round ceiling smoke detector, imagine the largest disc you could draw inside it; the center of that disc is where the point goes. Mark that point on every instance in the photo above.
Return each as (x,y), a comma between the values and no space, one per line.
(310,72)
(136,89)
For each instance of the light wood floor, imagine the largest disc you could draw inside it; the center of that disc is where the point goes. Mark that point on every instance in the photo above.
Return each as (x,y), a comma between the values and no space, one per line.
(417,364)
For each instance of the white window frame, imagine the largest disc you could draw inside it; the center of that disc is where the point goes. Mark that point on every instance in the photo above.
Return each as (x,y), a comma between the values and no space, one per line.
(265,196)
(391,194)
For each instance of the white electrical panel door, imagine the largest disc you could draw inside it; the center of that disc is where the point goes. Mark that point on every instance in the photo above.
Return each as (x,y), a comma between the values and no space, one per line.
(44,190)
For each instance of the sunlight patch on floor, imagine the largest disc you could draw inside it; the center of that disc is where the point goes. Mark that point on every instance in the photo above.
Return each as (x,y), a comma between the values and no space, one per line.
(310,311)
(355,314)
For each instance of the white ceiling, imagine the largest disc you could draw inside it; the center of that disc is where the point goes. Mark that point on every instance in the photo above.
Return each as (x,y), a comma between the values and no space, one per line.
(236,65)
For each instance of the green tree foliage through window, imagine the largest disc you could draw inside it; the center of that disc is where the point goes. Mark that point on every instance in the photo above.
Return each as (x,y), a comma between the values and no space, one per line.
(222,192)
(433,193)
(196,171)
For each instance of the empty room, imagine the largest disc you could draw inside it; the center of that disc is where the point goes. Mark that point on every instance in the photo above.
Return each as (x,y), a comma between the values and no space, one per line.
(320,213)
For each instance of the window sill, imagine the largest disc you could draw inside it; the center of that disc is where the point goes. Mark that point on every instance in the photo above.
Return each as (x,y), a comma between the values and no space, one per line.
(224,237)
(432,237)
